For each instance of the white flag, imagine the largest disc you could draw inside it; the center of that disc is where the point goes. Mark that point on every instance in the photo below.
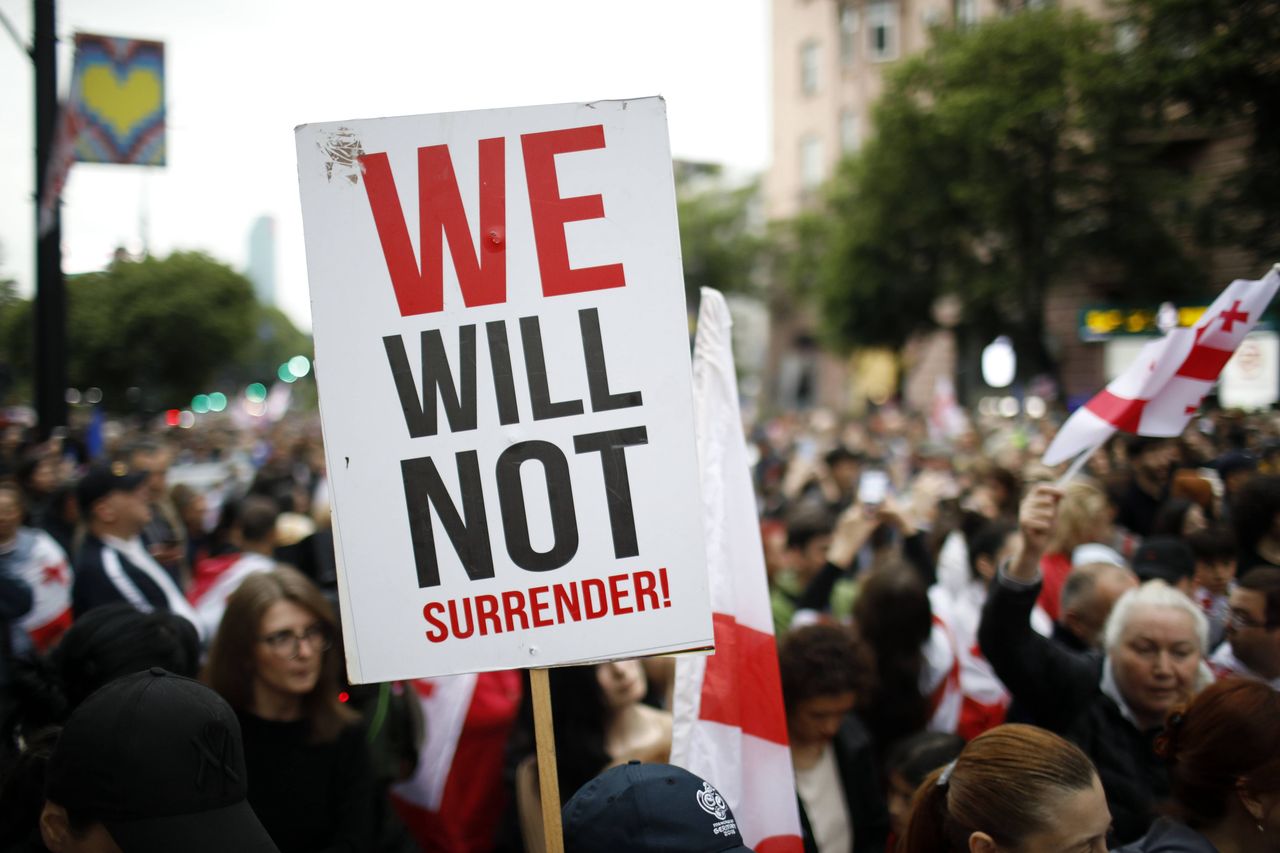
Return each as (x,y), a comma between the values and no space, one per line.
(730,727)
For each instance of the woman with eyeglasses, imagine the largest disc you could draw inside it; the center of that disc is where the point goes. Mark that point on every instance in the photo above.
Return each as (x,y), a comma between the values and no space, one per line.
(310,778)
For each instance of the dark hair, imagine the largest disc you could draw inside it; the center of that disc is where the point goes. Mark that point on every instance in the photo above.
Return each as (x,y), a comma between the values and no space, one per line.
(919,755)
(231,656)
(1008,783)
(257,518)
(987,541)
(1254,508)
(808,523)
(1265,580)
(839,454)
(1229,735)
(820,660)
(1213,544)
(1170,517)
(22,792)
(894,619)
(579,722)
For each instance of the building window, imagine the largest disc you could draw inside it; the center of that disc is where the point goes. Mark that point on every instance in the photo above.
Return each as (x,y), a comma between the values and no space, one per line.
(810,161)
(848,35)
(966,13)
(850,133)
(882,30)
(810,58)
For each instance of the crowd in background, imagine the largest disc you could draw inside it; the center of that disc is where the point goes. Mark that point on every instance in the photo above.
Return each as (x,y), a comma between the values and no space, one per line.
(954,627)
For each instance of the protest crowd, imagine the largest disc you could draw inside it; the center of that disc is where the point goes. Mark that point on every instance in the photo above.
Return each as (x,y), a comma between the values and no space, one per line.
(972,655)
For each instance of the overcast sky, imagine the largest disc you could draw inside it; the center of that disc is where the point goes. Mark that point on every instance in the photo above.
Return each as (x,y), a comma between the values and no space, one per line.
(241,74)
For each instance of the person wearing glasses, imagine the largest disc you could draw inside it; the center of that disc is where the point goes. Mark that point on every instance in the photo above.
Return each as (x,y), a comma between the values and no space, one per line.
(273,659)
(1252,647)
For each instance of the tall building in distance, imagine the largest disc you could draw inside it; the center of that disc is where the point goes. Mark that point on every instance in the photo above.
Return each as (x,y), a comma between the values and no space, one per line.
(262,259)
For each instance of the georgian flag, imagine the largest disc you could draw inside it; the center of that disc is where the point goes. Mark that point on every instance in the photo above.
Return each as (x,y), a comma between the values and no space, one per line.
(729,724)
(1161,391)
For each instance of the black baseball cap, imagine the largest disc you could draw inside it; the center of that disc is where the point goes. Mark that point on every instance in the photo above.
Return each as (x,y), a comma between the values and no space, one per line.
(645,808)
(158,760)
(102,480)
(1165,558)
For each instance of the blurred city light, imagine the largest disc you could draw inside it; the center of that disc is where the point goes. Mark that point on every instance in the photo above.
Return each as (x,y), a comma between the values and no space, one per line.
(256,393)
(285,374)
(1035,407)
(93,396)
(200,403)
(172,417)
(999,364)
(1009,406)
(217,401)
(255,408)
(73,396)
(186,419)
(299,366)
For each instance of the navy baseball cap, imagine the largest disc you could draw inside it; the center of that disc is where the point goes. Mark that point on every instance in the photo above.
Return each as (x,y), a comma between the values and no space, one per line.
(1165,558)
(158,760)
(102,480)
(646,808)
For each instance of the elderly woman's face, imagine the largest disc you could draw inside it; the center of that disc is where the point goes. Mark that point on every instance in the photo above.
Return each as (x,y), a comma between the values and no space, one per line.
(1156,661)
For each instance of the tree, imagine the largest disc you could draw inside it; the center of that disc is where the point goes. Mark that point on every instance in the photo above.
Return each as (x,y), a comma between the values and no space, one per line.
(1004,162)
(719,246)
(1216,64)
(166,326)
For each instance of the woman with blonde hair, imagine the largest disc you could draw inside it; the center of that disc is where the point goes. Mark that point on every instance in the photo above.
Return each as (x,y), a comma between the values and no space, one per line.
(1084,516)
(1013,787)
(273,660)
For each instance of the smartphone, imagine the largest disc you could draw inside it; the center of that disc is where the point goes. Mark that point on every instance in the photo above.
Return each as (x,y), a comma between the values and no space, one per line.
(873,487)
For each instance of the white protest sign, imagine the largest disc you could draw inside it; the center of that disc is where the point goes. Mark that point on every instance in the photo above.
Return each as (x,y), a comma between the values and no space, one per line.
(502,356)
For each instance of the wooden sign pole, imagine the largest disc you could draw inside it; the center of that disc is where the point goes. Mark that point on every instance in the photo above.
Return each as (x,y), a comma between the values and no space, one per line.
(548,779)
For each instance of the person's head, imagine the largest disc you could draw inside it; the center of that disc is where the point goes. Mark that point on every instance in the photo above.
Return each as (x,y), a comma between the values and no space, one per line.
(38,473)
(1088,595)
(1155,642)
(115,640)
(622,683)
(153,459)
(1254,629)
(1084,515)
(256,524)
(808,536)
(909,763)
(1234,468)
(1179,517)
(275,645)
(894,619)
(650,808)
(1013,787)
(1224,758)
(822,671)
(845,467)
(991,543)
(11,511)
(1166,558)
(1152,458)
(192,507)
(1214,550)
(1255,510)
(151,762)
(113,501)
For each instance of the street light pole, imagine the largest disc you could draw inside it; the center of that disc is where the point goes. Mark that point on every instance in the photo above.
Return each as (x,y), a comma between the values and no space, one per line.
(51,299)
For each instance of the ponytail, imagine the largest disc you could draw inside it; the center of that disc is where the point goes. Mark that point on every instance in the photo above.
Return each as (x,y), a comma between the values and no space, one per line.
(927,825)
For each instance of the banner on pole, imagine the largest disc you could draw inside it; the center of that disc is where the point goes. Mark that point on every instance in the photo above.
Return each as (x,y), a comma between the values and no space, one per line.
(503,363)
(117,93)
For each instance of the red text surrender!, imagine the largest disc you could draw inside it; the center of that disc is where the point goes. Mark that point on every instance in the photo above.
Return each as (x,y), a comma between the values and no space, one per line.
(544,606)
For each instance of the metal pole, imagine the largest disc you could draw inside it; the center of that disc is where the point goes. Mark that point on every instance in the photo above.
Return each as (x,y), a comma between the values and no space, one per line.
(51,299)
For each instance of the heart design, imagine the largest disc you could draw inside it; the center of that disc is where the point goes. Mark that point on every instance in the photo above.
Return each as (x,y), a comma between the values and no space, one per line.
(121,105)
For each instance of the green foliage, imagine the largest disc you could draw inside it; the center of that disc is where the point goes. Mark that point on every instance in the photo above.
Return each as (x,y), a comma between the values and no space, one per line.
(1215,64)
(718,245)
(1004,161)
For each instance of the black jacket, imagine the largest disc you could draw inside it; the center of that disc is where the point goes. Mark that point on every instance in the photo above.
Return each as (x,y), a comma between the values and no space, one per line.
(105,576)
(1061,690)
(856,764)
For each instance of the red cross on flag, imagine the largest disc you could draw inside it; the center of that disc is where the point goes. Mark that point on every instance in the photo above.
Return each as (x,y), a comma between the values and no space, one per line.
(1161,391)
(730,727)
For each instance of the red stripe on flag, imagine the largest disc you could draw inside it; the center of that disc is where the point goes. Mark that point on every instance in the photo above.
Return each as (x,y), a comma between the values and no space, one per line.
(1204,363)
(780,844)
(1121,412)
(741,686)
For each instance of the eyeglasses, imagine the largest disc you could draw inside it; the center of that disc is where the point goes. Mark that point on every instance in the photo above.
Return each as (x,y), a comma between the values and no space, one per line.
(288,644)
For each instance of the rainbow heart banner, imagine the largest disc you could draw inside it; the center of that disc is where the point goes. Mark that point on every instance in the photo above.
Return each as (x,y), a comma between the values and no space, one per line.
(117,92)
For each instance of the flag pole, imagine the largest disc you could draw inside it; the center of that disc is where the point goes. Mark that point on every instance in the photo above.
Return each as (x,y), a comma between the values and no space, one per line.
(548,779)
(1078,465)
